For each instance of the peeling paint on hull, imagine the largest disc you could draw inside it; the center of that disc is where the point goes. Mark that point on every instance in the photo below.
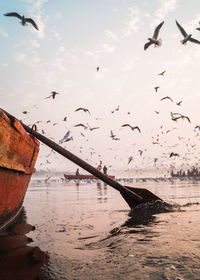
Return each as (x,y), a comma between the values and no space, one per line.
(18,155)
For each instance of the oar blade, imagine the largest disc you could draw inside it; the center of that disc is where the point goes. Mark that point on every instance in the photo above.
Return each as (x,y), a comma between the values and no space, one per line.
(146,195)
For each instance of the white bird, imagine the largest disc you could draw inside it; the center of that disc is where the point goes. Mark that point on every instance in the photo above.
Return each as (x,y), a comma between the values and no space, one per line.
(64,138)
(23,19)
(154,40)
(187,37)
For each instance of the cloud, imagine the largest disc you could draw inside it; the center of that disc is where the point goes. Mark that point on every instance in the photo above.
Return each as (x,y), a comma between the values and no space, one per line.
(32,60)
(3,64)
(194,23)
(94,55)
(56,34)
(132,24)
(37,4)
(165,8)
(35,44)
(36,10)
(107,48)
(111,35)
(130,65)
(4,33)
(58,15)
(21,57)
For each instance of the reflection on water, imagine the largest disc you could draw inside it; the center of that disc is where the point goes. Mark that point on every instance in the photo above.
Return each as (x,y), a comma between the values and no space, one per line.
(88,233)
(18,260)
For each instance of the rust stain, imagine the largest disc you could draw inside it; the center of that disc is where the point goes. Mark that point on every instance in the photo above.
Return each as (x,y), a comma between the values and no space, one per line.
(18,155)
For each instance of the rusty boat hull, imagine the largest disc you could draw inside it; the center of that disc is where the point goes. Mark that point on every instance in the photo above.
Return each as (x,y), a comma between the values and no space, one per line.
(18,155)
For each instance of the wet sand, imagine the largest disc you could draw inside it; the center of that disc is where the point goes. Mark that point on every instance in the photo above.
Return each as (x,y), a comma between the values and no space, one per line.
(88,233)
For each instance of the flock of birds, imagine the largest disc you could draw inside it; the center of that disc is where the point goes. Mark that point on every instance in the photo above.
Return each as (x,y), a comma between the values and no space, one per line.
(157,42)
(152,40)
(174,116)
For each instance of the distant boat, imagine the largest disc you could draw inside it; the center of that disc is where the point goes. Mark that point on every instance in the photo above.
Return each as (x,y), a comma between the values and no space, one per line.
(18,155)
(83,177)
(194,173)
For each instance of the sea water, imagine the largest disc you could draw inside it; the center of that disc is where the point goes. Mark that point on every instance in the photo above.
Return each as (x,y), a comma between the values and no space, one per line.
(88,232)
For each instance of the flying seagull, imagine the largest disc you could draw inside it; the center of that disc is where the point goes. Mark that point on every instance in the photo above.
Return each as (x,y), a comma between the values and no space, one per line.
(23,19)
(187,37)
(130,159)
(179,103)
(84,109)
(180,117)
(166,97)
(154,40)
(162,73)
(132,127)
(140,151)
(197,126)
(156,88)
(112,135)
(53,95)
(92,128)
(172,154)
(82,125)
(198,28)
(65,138)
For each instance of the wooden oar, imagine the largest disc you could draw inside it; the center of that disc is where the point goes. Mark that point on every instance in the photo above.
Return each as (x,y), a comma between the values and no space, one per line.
(133,196)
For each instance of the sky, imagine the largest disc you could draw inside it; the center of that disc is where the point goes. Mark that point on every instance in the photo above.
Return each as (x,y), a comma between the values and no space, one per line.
(76,37)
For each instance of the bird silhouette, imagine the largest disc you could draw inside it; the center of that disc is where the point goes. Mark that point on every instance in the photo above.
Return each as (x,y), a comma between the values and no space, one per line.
(198,28)
(154,40)
(173,154)
(83,109)
(82,125)
(181,117)
(92,128)
(166,97)
(112,135)
(156,88)
(130,159)
(97,68)
(197,127)
(140,151)
(132,127)
(162,73)
(187,37)
(179,103)
(116,109)
(23,19)
(68,139)
(53,95)
(65,119)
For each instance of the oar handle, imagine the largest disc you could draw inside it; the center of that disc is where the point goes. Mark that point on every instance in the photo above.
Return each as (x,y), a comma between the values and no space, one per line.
(83,164)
